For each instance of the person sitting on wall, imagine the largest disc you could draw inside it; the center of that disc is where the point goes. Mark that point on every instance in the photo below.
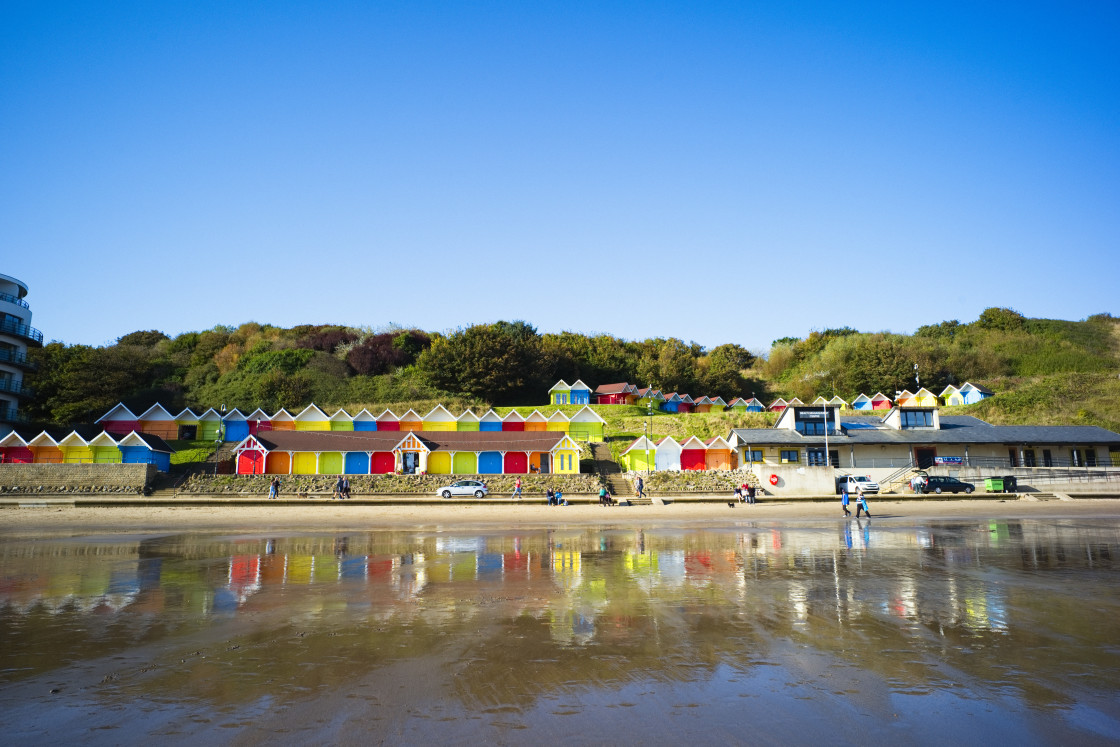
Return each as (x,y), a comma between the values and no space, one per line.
(550,496)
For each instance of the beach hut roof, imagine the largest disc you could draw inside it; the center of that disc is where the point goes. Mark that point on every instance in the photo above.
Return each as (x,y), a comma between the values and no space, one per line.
(558,417)
(233,414)
(210,414)
(778,401)
(12,439)
(838,400)
(388,416)
(672,397)
(119,412)
(640,443)
(580,386)
(490,417)
(693,442)
(411,416)
(949,390)
(619,388)
(439,414)
(560,386)
(312,413)
(513,416)
(364,416)
(152,442)
(820,400)
(795,401)
(688,399)
(257,414)
(905,394)
(536,417)
(468,416)
(976,387)
(187,415)
(103,439)
(667,440)
(282,416)
(156,412)
(719,401)
(880,397)
(586,415)
(923,392)
(718,442)
(754,401)
(341,416)
(861,398)
(71,438)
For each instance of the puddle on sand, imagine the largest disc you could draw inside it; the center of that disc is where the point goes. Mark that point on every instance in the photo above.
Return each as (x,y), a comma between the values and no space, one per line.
(857,631)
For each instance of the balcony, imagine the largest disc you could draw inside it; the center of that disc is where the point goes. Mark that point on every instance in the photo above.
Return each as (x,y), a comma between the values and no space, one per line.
(14,299)
(26,331)
(11,386)
(18,359)
(8,414)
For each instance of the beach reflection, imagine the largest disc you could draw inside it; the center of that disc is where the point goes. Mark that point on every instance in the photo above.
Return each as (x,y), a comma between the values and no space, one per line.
(1020,610)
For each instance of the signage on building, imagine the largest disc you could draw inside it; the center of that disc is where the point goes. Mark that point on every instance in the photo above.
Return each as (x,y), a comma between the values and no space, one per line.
(948,460)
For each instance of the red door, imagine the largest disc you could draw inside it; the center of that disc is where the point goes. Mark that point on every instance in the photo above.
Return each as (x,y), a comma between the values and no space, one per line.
(383,463)
(250,463)
(516,463)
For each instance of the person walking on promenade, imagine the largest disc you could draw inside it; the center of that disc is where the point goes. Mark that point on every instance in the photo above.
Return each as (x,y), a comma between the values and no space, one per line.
(516,489)
(344,490)
(844,501)
(641,487)
(748,492)
(861,503)
(274,488)
(338,488)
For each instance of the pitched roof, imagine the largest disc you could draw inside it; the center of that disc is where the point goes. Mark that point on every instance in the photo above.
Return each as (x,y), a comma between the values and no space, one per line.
(119,412)
(620,388)
(388,440)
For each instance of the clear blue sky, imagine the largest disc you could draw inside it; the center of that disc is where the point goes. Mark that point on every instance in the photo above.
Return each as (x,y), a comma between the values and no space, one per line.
(718,172)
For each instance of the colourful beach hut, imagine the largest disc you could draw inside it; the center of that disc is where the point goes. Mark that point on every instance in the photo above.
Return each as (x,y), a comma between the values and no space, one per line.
(906,398)
(880,402)
(490,421)
(120,420)
(186,425)
(75,449)
(640,455)
(411,421)
(536,421)
(340,421)
(439,418)
(365,421)
(693,453)
(687,404)
(311,418)
(862,402)
(45,449)
(648,396)
(755,405)
(558,394)
(717,457)
(14,450)
(778,405)
(466,422)
(668,455)
(926,398)
(704,404)
(209,425)
(973,393)
(388,421)
(158,421)
(145,448)
(103,449)
(513,421)
(580,394)
(586,425)
(672,403)
(258,421)
(282,420)
(235,426)
(795,402)
(718,404)
(615,394)
(820,401)
(840,402)
(951,396)
(737,405)
(558,422)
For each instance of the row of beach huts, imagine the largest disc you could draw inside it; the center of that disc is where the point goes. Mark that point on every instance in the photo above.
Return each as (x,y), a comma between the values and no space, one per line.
(623,393)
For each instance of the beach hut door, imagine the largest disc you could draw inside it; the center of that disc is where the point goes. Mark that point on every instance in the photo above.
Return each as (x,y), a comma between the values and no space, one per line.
(546,463)
(409,462)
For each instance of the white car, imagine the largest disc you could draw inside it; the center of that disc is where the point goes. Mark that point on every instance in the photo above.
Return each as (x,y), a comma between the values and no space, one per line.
(464,487)
(852,482)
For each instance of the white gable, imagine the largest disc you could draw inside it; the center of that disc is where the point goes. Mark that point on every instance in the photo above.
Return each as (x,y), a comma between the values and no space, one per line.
(312,414)
(120,412)
(156,412)
(586,415)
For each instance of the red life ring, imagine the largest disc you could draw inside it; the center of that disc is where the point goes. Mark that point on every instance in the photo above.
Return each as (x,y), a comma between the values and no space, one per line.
(773,479)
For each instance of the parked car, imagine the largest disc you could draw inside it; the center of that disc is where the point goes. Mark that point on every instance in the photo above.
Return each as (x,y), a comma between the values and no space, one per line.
(942,484)
(464,487)
(855,481)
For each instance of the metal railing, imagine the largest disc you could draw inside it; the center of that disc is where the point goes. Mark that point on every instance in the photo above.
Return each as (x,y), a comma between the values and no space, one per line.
(10,327)
(17,358)
(12,415)
(14,299)
(12,386)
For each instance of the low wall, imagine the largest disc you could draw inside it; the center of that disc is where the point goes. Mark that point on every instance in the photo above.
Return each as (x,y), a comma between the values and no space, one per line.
(385,484)
(688,481)
(76,479)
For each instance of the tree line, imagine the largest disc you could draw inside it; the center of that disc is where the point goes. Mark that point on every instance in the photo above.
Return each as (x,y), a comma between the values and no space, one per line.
(511,363)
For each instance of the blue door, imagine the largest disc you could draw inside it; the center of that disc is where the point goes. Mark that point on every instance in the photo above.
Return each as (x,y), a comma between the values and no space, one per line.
(490,463)
(357,463)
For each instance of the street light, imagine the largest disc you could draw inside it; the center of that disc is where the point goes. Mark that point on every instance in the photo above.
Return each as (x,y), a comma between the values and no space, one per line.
(649,429)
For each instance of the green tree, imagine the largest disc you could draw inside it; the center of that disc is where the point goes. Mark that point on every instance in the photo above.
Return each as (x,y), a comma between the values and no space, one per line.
(496,362)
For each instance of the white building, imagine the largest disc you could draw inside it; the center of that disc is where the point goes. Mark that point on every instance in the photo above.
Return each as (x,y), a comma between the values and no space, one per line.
(16,335)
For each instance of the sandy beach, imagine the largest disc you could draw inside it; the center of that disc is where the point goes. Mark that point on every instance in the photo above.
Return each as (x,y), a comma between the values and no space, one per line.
(338,515)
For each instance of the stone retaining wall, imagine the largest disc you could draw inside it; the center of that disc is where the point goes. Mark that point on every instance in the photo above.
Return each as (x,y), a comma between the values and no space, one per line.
(75,478)
(707,482)
(385,484)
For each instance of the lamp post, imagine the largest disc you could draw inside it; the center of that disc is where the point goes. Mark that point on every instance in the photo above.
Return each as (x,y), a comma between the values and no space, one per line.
(649,429)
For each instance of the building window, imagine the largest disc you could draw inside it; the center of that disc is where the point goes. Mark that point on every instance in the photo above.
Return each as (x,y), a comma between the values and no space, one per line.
(750,455)
(815,457)
(789,456)
(1090,457)
(917,418)
(1028,458)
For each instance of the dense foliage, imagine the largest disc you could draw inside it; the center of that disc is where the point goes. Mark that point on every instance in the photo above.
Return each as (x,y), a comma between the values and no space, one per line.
(510,363)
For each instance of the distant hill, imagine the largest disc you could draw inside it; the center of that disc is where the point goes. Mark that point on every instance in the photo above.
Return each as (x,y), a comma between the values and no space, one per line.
(1043,370)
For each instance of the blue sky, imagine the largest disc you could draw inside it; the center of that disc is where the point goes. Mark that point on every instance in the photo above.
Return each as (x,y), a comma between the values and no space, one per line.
(715,172)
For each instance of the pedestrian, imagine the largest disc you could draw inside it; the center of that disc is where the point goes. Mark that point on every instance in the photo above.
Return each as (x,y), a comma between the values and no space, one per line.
(602,496)
(345,487)
(748,493)
(550,496)
(641,486)
(844,501)
(274,488)
(861,503)
(516,489)
(338,488)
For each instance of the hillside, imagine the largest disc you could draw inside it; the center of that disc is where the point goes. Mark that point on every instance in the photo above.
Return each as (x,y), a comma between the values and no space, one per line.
(1043,371)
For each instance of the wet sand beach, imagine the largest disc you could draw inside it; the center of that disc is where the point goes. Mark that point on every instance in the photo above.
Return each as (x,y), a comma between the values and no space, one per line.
(530,514)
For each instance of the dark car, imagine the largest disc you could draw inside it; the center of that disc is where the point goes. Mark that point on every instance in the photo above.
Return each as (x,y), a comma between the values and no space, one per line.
(942,484)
